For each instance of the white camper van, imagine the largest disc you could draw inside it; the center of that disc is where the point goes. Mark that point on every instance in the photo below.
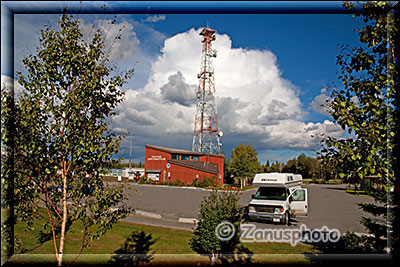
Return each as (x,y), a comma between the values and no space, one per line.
(278,198)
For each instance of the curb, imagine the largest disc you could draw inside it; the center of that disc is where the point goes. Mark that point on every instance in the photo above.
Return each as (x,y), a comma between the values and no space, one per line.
(188,220)
(159,216)
(148,214)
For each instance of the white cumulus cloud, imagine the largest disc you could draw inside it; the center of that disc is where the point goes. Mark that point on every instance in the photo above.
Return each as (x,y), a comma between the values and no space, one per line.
(178,91)
(155,18)
(120,40)
(320,101)
(255,103)
(8,83)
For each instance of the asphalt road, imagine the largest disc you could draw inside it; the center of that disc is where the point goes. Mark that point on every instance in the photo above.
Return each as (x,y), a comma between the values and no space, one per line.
(176,207)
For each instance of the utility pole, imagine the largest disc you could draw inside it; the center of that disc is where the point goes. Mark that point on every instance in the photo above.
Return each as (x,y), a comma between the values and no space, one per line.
(130,157)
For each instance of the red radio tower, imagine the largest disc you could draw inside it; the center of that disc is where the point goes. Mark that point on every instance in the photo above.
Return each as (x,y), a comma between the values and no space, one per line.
(206,136)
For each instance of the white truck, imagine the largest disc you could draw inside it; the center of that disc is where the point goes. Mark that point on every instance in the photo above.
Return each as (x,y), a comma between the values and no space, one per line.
(278,198)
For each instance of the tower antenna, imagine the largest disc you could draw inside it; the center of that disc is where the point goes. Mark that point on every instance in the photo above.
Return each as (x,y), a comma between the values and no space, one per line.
(206,135)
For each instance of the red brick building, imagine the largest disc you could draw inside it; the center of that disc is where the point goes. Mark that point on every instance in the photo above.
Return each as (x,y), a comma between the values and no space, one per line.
(164,164)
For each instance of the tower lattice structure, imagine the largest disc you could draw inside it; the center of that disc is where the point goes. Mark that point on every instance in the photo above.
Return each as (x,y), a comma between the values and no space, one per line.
(206,135)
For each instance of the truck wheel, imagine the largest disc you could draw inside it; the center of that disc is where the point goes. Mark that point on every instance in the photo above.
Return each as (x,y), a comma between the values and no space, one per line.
(286,221)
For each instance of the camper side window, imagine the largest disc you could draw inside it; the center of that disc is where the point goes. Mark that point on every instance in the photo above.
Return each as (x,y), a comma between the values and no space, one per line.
(298,196)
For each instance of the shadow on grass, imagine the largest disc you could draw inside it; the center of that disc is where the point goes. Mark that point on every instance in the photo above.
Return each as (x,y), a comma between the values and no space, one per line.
(345,249)
(135,250)
(241,256)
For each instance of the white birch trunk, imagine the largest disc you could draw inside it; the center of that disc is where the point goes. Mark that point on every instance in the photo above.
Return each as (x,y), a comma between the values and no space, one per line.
(64,218)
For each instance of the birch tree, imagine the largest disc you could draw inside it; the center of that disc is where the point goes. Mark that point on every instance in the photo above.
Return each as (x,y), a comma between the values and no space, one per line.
(62,136)
(366,106)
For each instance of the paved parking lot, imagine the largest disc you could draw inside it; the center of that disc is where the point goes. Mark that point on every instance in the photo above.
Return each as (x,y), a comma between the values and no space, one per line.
(175,207)
(330,206)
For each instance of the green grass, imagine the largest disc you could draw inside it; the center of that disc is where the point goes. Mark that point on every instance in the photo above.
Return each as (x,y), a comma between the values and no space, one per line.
(171,245)
(359,193)
(321,181)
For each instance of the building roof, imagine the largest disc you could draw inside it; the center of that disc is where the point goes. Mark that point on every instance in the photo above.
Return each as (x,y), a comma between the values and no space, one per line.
(196,165)
(181,151)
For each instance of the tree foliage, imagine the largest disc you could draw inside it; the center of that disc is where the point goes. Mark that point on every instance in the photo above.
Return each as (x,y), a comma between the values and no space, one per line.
(308,167)
(244,162)
(365,108)
(215,209)
(7,174)
(275,167)
(62,136)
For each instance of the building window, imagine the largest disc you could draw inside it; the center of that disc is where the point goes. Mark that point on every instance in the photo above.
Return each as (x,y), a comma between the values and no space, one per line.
(184,157)
(154,176)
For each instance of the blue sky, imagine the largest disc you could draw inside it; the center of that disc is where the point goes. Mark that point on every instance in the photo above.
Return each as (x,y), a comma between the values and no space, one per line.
(271,71)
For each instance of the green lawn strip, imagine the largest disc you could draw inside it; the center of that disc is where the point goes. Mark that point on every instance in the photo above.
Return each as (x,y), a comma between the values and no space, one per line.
(358,193)
(278,248)
(172,245)
(272,252)
(168,240)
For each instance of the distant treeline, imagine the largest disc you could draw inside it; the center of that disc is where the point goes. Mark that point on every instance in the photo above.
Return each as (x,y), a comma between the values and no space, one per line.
(308,167)
(117,164)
